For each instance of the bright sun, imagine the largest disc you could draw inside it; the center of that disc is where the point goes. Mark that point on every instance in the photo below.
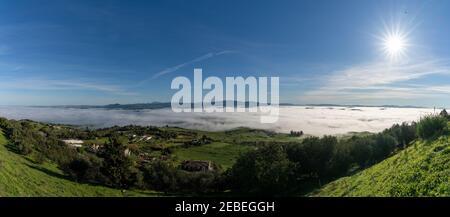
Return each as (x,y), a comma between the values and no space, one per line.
(394,45)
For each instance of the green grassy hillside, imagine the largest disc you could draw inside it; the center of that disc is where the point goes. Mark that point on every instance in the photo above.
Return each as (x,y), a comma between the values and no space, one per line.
(20,176)
(423,169)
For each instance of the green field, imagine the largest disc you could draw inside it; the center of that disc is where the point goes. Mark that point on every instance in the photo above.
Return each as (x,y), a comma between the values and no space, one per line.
(224,154)
(423,169)
(20,176)
(226,147)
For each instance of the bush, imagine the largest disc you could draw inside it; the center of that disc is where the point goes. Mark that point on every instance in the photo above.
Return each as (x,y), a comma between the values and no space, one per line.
(25,148)
(313,156)
(445,114)
(85,169)
(385,144)
(165,176)
(160,176)
(265,171)
(39,158)
(361,150)
(430,126)
(117,167)
(78,168)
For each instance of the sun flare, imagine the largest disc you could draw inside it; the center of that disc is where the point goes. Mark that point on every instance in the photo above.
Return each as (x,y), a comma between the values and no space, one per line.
(394,45)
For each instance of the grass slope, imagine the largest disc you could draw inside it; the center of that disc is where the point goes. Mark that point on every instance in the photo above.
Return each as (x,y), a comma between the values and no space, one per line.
(423,169)
(20,176)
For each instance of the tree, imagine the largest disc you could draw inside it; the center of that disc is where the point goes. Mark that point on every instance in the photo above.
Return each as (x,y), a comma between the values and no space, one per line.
(85,169)
(431,125)
(360,149)
(385,144)
(313,156)
(265,171)
(161,176)
(408,133)
(77,169)
(117,167)
(444,114)
(25,147)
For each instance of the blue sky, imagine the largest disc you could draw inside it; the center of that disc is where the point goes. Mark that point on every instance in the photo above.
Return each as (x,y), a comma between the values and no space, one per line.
(100,52)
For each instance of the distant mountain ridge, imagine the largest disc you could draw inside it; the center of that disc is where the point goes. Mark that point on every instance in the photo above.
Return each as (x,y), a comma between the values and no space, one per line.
(162,105)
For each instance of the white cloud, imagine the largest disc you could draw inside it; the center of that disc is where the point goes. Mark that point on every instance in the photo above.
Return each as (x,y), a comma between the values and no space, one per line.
(381,80)
(314,121)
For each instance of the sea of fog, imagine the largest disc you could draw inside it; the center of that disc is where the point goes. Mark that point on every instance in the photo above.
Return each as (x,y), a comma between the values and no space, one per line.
(311,120)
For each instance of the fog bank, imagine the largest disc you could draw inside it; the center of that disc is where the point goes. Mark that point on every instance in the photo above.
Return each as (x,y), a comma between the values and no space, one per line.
(311,120)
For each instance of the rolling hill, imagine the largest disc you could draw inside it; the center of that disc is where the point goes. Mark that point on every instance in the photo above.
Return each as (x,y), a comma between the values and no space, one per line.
(20,176)
(422,169)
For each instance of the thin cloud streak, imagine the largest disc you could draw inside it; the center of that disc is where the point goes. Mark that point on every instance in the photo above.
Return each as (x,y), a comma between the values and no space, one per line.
(190,62)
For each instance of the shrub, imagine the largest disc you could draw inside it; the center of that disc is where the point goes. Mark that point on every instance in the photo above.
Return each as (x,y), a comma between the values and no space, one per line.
(430,126)
(445,114)
(25,148)
(78,168)
(117,167)
(39,158)
(385,144)
(164,176)
(361,150)
(265,171)
(161,176)
(198,182)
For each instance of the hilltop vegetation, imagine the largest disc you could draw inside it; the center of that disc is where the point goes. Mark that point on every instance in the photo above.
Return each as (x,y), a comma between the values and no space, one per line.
(422,169)
(144,160)
(21,176)
(139,159)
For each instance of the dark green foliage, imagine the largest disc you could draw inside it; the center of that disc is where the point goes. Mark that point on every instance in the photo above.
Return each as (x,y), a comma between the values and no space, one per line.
(313,156)
(199,182)
(264,171)
(314,161)
(161,176)
(28,137)
(78,168)
(445,114)
(361,150)
(430,126)
(204,140)
(85,169)
(117,167)
(24,147)
(40,158)
(404,134)
(385,144)
(166,177)
(296,133)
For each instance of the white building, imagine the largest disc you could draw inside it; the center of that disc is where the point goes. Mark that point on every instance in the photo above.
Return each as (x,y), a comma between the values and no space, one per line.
(73,142)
